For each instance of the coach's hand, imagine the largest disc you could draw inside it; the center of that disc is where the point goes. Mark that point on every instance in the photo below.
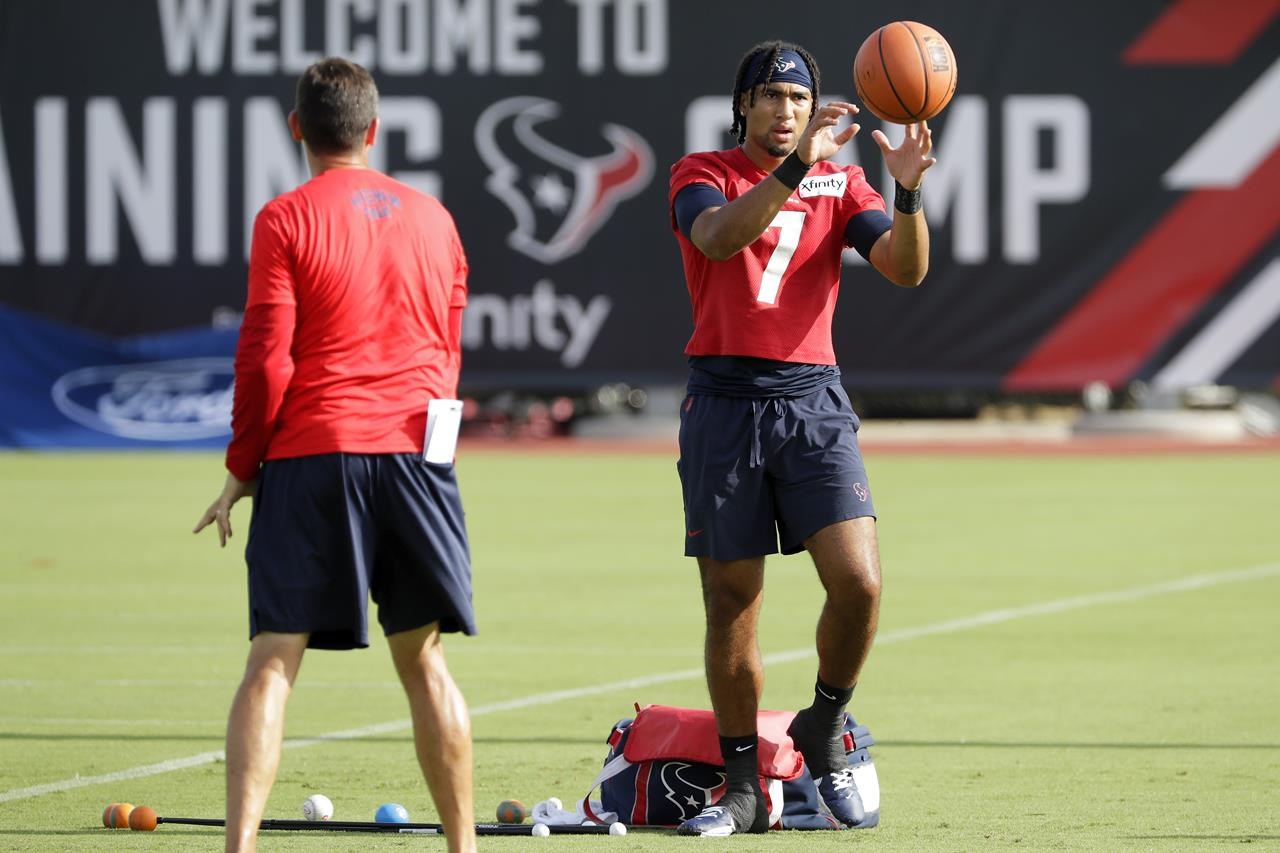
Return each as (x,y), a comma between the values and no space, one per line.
(220,510)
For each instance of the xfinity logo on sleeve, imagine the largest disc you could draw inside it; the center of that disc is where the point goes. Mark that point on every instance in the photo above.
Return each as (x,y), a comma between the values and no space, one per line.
(832,185)
(177,400)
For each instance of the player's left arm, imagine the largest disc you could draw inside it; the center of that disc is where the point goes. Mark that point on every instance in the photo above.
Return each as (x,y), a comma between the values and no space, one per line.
(902,253)
(264,352)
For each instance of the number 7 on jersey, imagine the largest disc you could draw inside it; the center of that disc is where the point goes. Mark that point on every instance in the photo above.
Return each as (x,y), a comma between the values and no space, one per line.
(789,223)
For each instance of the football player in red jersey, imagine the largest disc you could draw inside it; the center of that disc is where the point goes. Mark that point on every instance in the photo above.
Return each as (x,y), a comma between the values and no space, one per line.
(768,439)
(351,332)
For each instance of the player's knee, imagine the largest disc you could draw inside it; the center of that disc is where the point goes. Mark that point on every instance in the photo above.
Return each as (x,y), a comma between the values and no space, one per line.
(725,603)
(275,656)
(859,589)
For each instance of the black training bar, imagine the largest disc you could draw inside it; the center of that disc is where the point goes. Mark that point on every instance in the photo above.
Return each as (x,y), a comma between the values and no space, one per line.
(403,828)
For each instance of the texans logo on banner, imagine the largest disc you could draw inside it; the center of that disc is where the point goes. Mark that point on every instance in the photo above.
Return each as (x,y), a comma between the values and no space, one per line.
(559,198)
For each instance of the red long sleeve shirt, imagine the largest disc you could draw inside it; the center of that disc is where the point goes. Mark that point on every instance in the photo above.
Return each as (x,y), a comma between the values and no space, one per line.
(356,289)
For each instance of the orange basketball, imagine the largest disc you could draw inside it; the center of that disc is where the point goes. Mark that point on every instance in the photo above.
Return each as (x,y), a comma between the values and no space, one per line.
(905,72)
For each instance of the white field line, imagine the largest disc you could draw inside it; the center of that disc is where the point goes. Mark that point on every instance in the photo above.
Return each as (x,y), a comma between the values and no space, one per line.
(29,649)
(979,620)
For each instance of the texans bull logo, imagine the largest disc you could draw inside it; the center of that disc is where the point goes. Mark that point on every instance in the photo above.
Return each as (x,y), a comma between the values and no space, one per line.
(559,198)
(682,791)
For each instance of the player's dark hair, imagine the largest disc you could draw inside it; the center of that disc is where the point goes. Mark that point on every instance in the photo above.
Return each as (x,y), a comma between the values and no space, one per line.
(771,49)
(336,101)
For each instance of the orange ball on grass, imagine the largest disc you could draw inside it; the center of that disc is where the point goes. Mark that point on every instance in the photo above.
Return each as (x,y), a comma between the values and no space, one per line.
(512,811)
(143,819)
(116,815)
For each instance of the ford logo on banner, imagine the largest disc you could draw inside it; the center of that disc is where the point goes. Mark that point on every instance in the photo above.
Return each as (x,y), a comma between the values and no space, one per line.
(177,400)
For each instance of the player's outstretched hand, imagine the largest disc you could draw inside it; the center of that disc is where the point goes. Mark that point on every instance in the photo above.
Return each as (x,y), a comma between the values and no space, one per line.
(819,141)
(220,510)
(909,161)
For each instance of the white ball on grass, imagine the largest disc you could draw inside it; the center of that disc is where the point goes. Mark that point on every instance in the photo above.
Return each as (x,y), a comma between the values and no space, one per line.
(618,828)
(317,807)
(541,830)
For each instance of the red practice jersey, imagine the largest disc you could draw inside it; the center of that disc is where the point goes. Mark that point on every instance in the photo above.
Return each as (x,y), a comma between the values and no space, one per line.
(347,332)
(775,299)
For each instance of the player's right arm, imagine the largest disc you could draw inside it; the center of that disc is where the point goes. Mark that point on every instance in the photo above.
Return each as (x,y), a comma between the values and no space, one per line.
(458,297)
(720,232)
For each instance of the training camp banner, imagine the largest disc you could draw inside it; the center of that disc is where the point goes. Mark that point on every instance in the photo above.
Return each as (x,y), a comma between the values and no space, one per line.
(1103,207)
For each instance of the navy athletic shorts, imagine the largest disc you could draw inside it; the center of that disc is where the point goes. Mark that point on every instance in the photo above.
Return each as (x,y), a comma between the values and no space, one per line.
(328,531)
(756,470)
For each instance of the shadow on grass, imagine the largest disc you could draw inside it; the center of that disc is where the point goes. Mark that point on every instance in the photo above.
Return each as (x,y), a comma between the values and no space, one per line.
(214,739)
(217,739)
(1243,838)
(100,831)
(408,738)
(992,744)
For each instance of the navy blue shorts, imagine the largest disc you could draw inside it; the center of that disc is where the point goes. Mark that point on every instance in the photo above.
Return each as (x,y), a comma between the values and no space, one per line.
(329,531)
(759,470)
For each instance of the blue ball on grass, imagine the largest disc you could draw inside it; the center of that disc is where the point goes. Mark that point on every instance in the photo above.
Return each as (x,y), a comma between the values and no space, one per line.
(391,813)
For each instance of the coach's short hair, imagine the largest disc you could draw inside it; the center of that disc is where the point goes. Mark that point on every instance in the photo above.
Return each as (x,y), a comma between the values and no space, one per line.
(336,102)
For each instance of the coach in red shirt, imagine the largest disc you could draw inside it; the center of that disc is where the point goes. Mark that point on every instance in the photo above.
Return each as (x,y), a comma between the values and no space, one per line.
(768,440)
(351,334)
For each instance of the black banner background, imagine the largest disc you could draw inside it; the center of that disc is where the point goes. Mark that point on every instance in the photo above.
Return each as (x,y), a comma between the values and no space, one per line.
(969,326)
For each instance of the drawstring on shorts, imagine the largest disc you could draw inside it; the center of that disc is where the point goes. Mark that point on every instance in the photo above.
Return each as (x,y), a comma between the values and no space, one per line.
(758,405)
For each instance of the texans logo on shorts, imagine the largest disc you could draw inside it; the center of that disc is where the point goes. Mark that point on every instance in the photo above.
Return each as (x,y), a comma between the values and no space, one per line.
(861,491)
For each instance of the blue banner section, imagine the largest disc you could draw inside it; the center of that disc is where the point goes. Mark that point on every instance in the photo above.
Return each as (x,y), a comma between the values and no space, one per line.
(62,387)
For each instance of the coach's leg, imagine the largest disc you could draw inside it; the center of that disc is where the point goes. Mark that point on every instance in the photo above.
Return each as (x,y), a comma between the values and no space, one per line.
(441,730)
(255,729)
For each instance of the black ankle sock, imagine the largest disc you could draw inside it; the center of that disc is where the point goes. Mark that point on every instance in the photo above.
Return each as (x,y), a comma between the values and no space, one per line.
(828,698)
(741,755)
(817,731)
(742,783)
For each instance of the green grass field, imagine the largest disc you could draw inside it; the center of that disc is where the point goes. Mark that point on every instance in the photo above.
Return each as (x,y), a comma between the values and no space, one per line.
(1075,652)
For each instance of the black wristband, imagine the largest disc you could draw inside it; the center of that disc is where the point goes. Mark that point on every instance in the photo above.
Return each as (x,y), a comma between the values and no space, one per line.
(905,200)
(792,170)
